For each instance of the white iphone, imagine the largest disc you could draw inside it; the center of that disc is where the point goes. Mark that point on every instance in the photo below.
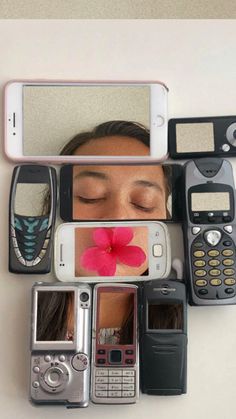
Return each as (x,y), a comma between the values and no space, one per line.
(89,121)
(117,251)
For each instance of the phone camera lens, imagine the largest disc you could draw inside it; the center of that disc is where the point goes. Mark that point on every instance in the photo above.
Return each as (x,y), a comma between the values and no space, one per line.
(84,297)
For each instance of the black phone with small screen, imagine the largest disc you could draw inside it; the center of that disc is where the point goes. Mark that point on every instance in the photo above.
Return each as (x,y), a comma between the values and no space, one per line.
(32,210)
(163,338)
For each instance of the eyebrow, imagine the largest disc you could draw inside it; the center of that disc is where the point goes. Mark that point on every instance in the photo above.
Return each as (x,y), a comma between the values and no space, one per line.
(91,173)
(103,176)
(148,184)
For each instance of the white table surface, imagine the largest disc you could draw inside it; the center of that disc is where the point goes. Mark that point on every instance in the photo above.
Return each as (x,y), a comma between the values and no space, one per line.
(197,60)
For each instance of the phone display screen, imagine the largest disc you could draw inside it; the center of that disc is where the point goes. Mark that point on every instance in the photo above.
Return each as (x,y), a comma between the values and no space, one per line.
(115,318)
(54,114)
(114,192)
(165,316)
(195,137)
(32,199)
(210,201)
(55,316)
(111,251)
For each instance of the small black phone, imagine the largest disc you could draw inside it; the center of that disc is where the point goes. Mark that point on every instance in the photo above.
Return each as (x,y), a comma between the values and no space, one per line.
(32,211)
(209,229)
(120,191)
(202,137)
(163,337)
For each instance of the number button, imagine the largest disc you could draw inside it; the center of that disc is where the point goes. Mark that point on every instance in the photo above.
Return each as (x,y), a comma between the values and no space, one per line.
(200,272)
(229,272)
(227,252)
(199,253)
(215,282)
(228,262)
(214,272)
(201,282)
(230,281)
(214,262)
(213,253)
(199,263)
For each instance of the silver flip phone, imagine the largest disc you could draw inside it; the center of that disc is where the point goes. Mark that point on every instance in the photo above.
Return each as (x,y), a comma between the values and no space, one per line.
(115,365)
(60,344)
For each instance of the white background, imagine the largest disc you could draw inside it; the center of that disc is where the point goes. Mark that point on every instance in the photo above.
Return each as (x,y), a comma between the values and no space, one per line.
(197,61)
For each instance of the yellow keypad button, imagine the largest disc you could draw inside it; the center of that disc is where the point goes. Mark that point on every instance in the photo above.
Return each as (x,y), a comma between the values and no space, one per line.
(214,262)
(229,271)
(213,253)
(201,282)
(230,281)
(228,262)
(199,254)
(199,263)
(200,272)
(214,272)
(227,252)
(215,282)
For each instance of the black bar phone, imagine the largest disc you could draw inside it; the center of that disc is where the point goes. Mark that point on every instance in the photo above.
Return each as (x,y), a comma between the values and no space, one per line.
(202,137)
(32,210)
(163,338)
(209,231)
(89,192)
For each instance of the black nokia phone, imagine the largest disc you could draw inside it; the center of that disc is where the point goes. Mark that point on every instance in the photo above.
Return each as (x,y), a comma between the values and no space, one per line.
(202,137)
(32,210)
(163,338)
(210,231)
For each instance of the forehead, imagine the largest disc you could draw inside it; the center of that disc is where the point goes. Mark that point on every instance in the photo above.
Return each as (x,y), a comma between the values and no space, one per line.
(116,145)
(121,174)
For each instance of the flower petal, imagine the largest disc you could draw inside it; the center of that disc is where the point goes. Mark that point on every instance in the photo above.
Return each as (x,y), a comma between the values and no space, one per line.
(122,236)
(103,237)
(131,255)
(98,260)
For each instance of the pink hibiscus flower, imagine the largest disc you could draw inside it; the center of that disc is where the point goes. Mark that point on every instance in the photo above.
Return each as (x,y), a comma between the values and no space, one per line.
(111,248)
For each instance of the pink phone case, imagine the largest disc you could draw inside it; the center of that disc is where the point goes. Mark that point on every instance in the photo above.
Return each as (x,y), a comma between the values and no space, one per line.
(77,159)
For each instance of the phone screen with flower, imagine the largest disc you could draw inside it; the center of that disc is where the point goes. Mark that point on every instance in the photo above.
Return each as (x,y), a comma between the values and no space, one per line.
(116,251)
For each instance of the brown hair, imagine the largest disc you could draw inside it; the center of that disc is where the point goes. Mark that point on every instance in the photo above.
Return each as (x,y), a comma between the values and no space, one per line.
(53,314)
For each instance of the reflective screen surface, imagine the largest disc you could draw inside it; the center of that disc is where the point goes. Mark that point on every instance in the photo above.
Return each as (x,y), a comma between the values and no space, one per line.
(121,192)
(106,251)
(116,318)
(53,115)
(55,316)
(32,199)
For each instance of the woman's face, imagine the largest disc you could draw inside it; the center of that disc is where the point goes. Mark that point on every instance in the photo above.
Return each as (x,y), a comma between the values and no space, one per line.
(118,192)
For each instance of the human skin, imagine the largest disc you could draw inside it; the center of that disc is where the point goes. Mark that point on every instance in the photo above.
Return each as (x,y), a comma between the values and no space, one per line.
(118,192)
(114,308)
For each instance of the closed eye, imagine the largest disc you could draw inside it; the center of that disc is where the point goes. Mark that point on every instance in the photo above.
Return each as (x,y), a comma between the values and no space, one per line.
(89,200)
(142,208)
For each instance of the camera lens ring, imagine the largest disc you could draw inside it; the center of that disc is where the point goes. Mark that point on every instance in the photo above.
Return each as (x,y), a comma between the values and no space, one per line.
(84,297)
(231,134)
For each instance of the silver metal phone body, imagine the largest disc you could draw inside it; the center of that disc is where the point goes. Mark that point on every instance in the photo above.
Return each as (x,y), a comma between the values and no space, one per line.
(60,370)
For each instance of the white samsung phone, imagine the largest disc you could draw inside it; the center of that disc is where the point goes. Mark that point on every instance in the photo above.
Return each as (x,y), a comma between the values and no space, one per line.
(121,251)
(62,121)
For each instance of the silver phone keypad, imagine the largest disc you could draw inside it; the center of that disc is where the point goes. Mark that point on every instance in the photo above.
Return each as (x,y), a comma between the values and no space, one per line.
(115,383)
